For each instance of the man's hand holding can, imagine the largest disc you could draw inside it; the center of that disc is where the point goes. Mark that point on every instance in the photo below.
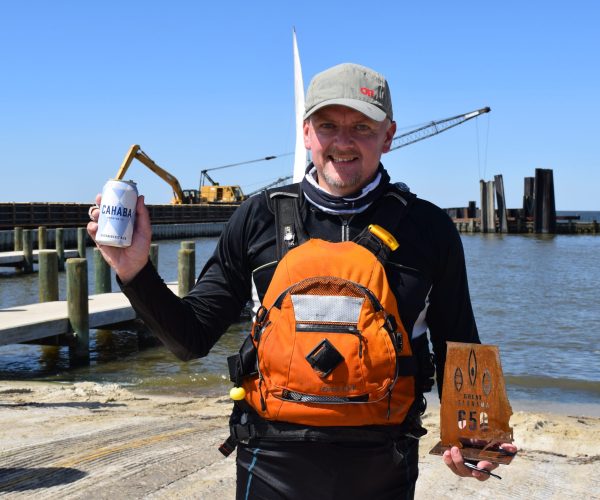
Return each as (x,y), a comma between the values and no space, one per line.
(127,261)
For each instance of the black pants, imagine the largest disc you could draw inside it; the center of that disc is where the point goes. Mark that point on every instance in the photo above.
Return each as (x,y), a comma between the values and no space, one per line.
(270,470)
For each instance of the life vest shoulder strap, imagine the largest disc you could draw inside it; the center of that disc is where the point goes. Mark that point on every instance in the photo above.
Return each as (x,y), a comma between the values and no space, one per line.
(285,204)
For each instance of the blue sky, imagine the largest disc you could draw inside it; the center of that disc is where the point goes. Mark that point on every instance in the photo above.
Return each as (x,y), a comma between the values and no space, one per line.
(203,84)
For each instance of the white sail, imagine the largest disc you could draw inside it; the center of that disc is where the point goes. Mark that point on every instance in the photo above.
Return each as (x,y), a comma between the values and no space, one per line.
(300,156)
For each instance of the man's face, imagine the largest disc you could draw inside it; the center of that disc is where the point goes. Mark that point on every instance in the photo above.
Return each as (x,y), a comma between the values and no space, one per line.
(346,147)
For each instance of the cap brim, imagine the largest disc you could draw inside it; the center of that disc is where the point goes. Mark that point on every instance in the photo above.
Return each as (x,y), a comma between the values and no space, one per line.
(363,107)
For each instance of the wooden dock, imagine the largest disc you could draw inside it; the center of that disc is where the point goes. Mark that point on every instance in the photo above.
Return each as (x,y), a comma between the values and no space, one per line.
(17,258)
(33,322)
(68,322)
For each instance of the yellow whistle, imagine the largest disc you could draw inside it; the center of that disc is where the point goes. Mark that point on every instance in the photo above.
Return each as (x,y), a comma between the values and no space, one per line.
(386,237)
(237,393)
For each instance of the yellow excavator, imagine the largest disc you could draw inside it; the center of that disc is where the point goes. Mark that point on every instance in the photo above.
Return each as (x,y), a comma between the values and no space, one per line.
(181,196)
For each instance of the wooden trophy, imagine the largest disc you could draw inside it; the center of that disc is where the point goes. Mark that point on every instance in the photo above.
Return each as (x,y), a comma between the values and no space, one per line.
(475,411)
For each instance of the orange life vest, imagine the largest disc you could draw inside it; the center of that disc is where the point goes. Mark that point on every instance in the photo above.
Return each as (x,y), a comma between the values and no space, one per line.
(331,349)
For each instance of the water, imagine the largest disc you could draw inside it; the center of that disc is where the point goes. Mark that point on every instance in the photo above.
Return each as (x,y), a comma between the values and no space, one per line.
(118,357)
(535,296)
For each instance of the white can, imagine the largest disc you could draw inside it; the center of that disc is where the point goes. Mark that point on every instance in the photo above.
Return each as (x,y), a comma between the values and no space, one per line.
(117,213)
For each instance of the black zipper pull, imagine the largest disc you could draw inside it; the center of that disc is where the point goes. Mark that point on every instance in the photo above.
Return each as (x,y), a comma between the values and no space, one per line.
(392,327)
(360,343)
(355,331)
(263,404)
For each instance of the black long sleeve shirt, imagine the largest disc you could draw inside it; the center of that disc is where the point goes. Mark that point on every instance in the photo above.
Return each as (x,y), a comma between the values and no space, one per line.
(427,273)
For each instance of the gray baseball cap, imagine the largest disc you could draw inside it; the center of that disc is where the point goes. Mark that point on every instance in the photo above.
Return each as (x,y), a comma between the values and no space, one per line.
(350,85)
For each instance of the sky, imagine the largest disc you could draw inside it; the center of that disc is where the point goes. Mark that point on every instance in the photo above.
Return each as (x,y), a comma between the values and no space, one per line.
(203,84)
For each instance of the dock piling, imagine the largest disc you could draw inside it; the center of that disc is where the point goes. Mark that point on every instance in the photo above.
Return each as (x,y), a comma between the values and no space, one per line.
(544,212)
(189,244)
(472,210)
(48,275)
(528,196)
(186,269)
(488,219)
(42,238)
(27,251)
(18,239)
(154,255)
(81,241)
(501,199)
(60,247)
(78,310)
(101,273)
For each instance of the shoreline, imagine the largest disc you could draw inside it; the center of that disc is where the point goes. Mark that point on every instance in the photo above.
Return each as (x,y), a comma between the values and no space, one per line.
(556,407)
(537,405)
(74,440)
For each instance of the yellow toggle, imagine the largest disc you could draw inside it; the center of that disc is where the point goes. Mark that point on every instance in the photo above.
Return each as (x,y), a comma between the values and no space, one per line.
(385,236)
(237,393)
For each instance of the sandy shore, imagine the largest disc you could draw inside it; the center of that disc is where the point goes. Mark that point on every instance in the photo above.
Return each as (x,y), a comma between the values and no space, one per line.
(88,440)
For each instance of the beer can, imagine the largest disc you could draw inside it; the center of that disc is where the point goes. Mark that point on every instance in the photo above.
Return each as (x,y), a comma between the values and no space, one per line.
(117,213)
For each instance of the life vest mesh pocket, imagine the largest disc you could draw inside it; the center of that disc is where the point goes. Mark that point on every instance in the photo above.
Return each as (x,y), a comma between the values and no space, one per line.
(326,300)
(312,398)
(326,285)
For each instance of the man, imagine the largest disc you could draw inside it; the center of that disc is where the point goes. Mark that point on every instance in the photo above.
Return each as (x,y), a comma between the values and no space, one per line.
(348,126)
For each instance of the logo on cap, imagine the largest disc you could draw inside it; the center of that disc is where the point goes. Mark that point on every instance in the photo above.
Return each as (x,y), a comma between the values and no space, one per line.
(368,92)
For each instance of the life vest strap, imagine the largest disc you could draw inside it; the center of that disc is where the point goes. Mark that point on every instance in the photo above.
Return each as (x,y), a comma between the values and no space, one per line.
(287,432)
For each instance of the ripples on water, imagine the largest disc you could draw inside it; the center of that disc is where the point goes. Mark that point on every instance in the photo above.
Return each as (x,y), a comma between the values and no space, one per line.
(536,297)
(118,356)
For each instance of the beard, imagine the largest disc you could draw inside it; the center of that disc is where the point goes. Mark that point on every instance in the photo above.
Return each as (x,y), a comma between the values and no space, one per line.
(341,177)
(342,182)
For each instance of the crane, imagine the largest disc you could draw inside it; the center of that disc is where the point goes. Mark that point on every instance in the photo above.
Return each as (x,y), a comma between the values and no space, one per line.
(216,192)
(271,184)
(204,173)
(234,194)
(430,129)
(434,128)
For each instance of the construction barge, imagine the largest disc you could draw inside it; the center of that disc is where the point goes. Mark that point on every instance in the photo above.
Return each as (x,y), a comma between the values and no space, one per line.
(517,224)
(42,222)
(72,215)
(52,215)
(537,215)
